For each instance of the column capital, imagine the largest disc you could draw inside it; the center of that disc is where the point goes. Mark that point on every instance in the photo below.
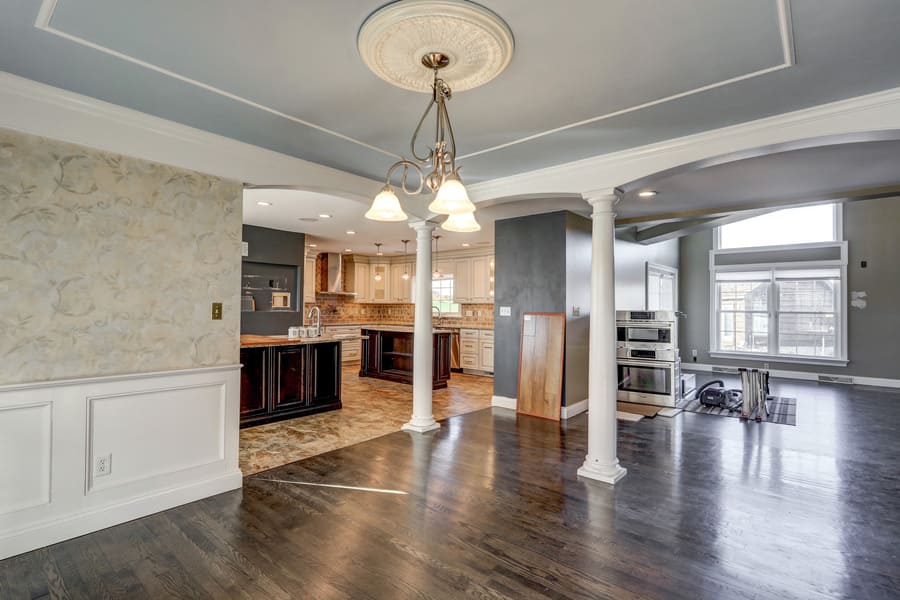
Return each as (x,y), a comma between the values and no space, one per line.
(602,200)
(423,225)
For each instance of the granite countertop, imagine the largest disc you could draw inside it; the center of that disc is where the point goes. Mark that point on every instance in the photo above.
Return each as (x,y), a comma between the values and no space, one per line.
(398,328)
(254,341)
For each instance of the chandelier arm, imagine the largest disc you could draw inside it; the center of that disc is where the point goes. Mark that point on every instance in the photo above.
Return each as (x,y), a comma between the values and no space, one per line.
(406,164)
(452,149)
(412,143)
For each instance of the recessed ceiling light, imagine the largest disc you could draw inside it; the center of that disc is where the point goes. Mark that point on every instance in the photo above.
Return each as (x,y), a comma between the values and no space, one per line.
(350,232)
(466,244)
(325,216)
(313,245)
(263,203)
(347,250)
(647,193)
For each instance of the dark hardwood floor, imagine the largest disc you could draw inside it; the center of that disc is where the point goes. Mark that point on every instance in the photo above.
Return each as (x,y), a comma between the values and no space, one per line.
(712,507)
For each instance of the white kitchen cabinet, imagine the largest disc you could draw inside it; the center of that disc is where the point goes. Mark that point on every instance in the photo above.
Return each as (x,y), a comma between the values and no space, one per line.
(476,350)
(381,283)
(462,281)
(350,349)
(309,280)
(481,276)
(401,289)
(362,282)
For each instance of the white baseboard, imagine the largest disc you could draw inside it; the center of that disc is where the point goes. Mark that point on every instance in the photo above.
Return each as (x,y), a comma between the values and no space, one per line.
(570,410)
(803,375)
(38,535)
(566,412)
(503,402)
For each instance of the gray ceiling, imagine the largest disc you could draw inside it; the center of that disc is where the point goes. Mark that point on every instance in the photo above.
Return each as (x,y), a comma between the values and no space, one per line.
(575,60)
(828,172)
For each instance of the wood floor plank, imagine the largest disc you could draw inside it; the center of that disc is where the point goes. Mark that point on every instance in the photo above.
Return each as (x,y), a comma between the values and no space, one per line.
(490,507)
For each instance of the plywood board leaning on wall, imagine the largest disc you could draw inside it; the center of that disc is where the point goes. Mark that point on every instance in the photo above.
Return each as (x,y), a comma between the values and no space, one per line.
(541,354)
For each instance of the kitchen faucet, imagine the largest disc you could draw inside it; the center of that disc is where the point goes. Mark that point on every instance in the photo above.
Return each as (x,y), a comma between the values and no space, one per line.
(318,319)
(434,307)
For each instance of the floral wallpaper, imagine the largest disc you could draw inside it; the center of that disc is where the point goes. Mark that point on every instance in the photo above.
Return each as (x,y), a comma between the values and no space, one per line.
(109,264)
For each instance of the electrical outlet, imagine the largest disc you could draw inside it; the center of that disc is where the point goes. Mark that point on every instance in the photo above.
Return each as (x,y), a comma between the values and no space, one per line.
(765,365)
(505,311)
(576,311)
(216,311)
(103,465)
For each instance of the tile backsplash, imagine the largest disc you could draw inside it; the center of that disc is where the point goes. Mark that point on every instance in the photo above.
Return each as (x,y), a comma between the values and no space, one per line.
(337,310)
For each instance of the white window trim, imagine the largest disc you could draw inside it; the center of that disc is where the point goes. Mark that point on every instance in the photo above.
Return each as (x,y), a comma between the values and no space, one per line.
(454,315)
(838,236)
(841,360)
(658,267)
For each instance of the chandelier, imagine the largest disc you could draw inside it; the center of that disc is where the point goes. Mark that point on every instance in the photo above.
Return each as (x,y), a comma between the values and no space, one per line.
(469,43)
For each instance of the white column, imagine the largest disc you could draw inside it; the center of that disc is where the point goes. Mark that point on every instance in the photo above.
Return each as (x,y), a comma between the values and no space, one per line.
(601,462)
(422,418)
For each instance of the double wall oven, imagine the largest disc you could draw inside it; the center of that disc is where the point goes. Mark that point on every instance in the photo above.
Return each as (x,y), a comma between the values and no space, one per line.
(649,367)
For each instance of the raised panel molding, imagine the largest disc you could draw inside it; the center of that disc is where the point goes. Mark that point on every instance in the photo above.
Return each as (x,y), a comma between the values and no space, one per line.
(173,438)
(26,448)
(138,430)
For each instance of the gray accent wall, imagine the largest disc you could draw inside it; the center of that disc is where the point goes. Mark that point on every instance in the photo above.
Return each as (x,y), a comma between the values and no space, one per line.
(274,253)
(530,276)
(871,230)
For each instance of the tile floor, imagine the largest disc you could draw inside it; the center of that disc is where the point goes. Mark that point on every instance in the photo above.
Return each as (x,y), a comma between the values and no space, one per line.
(372,408)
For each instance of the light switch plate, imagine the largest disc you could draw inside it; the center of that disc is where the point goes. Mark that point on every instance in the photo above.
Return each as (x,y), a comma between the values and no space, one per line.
(216,311)
(245,249)
(505,311)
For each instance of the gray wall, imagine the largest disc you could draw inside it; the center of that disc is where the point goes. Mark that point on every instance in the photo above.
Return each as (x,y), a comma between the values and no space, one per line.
(530,276)
(631,259)
(273,253)
(871,230)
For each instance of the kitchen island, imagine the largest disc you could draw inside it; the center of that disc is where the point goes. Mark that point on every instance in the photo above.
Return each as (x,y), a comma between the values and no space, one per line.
(388,355)
(283,378)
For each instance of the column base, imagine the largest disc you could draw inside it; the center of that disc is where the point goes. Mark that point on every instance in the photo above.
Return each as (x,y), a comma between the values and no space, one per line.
(610,475)
(414,427)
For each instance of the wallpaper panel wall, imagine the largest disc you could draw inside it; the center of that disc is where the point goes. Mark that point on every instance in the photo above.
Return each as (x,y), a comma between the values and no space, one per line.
(109,264)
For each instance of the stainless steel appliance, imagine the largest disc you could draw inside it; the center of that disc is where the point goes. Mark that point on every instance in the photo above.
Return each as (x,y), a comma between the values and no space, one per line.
(649,382)
(649,366)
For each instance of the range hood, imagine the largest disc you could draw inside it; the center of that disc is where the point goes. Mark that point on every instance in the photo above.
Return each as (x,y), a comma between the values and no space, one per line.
(335,285)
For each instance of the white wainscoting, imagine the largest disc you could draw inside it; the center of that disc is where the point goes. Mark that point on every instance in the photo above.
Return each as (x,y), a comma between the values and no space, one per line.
(171,438)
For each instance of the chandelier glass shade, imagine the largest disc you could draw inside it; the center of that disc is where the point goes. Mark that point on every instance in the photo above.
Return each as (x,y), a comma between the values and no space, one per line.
(386,207)
(461,223)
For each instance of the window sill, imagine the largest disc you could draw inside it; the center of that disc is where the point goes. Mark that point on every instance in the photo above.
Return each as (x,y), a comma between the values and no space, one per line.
(775,358)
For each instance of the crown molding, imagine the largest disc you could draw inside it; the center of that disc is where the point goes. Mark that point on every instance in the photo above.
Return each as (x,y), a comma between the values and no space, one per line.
(43,110)
(879,111)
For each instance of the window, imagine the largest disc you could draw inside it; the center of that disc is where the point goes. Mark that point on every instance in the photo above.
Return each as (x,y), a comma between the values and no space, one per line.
(662,287)
(742,301)
(802,225)
(777,286)
(442,295)
(779,312)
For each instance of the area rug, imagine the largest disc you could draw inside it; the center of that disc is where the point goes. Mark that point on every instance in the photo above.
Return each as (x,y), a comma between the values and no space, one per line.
(781,410)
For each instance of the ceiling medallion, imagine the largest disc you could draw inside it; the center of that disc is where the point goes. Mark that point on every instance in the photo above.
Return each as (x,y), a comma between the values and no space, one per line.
(457,41)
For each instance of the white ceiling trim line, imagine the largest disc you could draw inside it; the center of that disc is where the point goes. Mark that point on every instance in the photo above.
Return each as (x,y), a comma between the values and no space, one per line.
(788,60)
(879,111)
(40,109)
(45,15)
